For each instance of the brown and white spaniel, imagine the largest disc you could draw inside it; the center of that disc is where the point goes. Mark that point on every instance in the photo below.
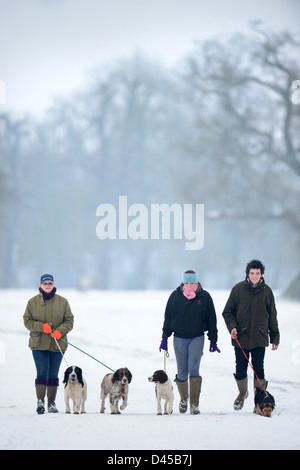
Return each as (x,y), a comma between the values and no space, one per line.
(116,386)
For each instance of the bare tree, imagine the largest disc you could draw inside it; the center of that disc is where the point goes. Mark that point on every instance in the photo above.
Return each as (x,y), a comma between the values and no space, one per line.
(241,94)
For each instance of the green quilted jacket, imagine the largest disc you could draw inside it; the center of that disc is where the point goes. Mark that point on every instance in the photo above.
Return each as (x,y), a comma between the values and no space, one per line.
(57,311)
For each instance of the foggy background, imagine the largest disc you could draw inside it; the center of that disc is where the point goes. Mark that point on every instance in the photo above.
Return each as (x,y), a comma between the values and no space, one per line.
(163,101)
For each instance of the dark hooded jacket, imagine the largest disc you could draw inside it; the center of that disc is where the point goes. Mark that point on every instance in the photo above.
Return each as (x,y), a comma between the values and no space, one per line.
(188,318)
(252,311)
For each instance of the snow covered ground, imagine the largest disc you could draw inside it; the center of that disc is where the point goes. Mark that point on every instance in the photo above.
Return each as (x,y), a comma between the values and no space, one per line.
(124,329)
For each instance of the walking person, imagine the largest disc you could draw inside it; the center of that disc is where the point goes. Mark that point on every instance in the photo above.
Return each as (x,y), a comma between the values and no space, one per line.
(189,313)
(251,317)
(48,317)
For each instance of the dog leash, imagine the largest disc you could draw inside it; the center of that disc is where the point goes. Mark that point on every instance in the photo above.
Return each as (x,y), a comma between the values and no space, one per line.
(251,366)
(84,352)
(81,350)
(166,354)
(61,352)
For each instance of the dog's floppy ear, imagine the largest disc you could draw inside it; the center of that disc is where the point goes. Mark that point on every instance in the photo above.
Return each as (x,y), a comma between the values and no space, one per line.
(66,376)
(128,375)
(79,375)
(272,399)
(160,376)
(163,377)
(115,376)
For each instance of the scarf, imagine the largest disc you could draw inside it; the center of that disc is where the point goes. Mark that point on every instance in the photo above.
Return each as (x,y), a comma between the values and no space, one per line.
(255,287)
(190,291)
(47,296)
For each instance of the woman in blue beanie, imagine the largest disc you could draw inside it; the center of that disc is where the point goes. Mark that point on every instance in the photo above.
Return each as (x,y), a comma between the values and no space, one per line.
(189,313)
(48,317)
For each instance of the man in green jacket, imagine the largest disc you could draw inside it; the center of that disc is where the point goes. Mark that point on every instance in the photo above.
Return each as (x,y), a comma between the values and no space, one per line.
(251,317)
(48,317)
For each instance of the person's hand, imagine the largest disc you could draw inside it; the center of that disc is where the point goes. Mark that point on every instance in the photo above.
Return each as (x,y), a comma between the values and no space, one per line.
(275,347)
(233,333)
(47,328)
(163,344)
(56,334)
(213,347)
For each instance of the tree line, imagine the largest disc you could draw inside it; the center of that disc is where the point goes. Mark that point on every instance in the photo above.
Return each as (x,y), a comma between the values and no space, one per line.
(218,129)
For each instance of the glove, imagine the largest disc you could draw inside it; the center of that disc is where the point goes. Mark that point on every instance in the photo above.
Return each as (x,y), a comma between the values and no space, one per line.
(213,347)
(56,334)
(47,328)
(163,344)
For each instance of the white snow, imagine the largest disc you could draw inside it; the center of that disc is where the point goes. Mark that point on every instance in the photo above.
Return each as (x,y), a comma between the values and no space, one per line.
(124,329)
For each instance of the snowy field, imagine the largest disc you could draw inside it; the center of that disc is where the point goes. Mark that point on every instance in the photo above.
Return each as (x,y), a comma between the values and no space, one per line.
(124,329)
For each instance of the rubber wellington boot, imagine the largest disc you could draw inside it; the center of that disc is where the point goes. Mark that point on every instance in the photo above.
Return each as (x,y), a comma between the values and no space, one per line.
(184,394)
(243,389)
(40,394)
(51,394)
(256,384)
(195,389)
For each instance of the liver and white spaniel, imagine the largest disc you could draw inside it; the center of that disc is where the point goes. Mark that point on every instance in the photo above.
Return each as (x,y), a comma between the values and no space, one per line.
(116,385)
(163,390)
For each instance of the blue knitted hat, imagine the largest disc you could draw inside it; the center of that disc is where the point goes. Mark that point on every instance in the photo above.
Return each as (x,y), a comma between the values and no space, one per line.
(190,278)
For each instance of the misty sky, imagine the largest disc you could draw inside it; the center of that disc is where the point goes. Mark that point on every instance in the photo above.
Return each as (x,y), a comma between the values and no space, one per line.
(49,48)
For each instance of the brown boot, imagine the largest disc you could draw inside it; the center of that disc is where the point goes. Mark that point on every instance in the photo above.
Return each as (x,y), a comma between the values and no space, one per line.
(256,384)
(51,394)
(243,389)
(184,394)
(195,389)
(40,390)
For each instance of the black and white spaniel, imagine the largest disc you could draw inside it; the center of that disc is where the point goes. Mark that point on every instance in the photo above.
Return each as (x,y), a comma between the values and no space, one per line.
(75,388)
(116,386)
(163,390)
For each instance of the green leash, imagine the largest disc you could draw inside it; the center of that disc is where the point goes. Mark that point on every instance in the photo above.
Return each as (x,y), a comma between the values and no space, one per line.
(81,350)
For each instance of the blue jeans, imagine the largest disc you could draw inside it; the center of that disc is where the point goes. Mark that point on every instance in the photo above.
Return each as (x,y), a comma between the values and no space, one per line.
(47,365)
(188,352)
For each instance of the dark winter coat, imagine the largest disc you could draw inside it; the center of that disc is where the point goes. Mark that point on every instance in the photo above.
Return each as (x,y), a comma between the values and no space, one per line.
(190,318)
(55,310)
(253,313)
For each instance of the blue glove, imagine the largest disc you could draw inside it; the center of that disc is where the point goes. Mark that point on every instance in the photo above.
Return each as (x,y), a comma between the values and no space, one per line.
(163,344)
(213,347)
